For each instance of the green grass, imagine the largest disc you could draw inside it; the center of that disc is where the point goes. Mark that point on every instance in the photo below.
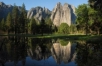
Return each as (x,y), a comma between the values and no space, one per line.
(60,36)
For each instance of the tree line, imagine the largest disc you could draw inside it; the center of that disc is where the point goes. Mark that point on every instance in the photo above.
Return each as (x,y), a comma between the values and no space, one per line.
(88,21)
(17,23)
(89,17)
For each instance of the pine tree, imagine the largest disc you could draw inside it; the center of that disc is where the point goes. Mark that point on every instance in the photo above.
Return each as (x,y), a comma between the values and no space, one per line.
(49,24)
(8,21)
(15,17)
(2,25)
(42,26)
(23,16)
(33,25)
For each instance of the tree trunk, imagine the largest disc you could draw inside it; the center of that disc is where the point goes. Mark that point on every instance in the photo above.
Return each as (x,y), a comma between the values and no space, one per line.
(98,32)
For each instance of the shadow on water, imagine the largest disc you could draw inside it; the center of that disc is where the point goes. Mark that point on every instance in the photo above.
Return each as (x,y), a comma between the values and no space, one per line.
(24,51)
(89,53)
(13,49)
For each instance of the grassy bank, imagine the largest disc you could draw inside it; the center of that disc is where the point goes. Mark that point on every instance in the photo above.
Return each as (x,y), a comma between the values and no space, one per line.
(61,36)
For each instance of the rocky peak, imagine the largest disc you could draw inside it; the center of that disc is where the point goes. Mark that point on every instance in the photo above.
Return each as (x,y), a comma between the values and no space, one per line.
(58,5)
(9,6)
(38,13)
(4,10)
(1,3)
(63,14)
(65,5)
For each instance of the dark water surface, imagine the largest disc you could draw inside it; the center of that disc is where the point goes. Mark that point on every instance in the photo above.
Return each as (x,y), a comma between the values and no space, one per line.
(25,51)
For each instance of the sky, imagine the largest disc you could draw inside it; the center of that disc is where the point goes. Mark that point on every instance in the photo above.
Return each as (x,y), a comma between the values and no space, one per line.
(50,4)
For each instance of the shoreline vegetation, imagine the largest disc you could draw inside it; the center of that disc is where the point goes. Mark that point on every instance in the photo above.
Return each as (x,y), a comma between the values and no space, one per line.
(88,25)
(61,36)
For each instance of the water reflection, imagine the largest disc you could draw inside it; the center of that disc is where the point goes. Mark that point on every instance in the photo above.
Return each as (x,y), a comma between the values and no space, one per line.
(13,49)
(63,53)
(24,51)
(39,49)
(89,53)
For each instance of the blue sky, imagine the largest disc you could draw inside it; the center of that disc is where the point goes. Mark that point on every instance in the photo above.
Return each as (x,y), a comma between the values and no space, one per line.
(50,4)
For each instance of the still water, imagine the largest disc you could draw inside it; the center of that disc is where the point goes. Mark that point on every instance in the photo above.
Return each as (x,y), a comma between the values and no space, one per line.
(26,51)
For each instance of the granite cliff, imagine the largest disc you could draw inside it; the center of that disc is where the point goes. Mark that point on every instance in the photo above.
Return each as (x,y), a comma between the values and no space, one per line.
(5,9)
(38,13)
(60,14)
(63,14)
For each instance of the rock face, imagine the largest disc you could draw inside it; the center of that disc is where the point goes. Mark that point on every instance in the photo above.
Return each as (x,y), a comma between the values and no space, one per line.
(63,14)
(60,14)
(38,13)
(5,9)
(63,53)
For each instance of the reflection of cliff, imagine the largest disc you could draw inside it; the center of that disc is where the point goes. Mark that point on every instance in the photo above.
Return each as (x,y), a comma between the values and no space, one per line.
(63,53)
(39,49)
(39,53)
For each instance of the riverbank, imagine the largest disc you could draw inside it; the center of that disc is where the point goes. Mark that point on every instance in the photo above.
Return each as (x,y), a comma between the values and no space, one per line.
(70,37)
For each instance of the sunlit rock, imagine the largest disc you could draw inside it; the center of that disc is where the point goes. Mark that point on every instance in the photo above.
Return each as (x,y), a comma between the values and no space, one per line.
(63,14)
(38,13)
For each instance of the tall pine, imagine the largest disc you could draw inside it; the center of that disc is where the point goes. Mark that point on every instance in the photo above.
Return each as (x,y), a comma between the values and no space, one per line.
(15,15)
(42,26)
(8,22)
(2,24)
(33,26)
(23,16)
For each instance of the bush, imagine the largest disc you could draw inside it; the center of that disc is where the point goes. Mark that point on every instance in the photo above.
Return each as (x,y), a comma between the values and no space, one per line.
(63,28)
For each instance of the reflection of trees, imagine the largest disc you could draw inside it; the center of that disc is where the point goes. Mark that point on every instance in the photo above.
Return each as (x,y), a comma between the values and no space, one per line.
(89,54)
(3,54)
(15,47)
(19,47)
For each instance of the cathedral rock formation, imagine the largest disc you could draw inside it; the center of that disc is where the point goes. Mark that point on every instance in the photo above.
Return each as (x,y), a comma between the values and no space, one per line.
(63,14)
(60,14)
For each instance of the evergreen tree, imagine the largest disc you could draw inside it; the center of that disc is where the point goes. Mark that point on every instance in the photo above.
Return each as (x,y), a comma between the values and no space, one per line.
(2,25)
(23,18)
(49,24)
(15,17)
(8,22)
(42,26)
(33,26)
